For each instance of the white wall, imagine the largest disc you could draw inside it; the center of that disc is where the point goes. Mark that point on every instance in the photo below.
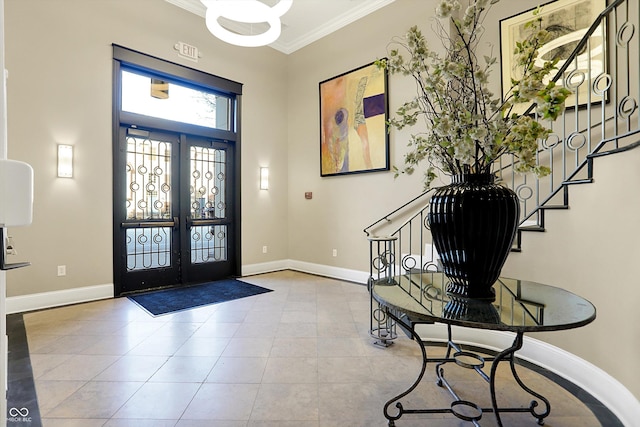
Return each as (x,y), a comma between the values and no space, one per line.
(589,251)
(59,57)
(342,206)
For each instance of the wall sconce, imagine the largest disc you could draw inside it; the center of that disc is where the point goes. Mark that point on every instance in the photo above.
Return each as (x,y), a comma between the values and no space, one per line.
(65,161)
(264,178)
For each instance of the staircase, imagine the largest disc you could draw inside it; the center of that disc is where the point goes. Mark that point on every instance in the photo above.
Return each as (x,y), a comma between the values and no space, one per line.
(601,119)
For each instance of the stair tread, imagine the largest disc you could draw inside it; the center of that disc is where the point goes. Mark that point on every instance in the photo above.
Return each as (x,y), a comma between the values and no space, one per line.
(531,228)
(578,181)
(554,207)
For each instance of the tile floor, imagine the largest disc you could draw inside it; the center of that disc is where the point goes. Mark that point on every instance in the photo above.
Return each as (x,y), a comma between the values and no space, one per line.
(296,357)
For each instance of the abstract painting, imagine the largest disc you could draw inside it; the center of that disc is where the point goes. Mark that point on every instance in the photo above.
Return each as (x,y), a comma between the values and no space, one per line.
(568,22)
(353,117)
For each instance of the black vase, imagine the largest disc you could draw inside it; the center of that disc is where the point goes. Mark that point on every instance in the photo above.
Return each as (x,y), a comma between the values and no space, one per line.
(471,309)
(473,223)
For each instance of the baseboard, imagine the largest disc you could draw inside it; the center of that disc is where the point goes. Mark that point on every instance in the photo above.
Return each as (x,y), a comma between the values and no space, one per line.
(307,267)
(265,267)
(583,374)
(330,271)
(30,302)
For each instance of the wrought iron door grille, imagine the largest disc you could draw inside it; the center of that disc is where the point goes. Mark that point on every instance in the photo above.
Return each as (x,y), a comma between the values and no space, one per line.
(208,177)
(148,179)
(148,190)
(208,204)
(148,248)
(208,244)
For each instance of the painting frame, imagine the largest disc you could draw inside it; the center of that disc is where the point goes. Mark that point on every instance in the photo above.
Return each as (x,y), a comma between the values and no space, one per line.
(568,20)
(354,111)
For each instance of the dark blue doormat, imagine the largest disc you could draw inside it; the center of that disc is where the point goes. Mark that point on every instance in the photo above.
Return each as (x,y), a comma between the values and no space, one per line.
(177,299)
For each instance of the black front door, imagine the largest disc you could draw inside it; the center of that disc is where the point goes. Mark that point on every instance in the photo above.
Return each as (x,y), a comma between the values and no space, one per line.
(176,204)
(173,210)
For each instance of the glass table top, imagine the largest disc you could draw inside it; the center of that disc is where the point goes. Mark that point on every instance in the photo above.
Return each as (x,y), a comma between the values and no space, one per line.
(519,306)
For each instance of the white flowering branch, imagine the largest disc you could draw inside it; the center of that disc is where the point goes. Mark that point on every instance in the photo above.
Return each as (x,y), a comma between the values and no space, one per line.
(468,128)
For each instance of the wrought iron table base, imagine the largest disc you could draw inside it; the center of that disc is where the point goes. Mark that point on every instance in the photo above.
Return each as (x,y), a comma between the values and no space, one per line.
(462,409)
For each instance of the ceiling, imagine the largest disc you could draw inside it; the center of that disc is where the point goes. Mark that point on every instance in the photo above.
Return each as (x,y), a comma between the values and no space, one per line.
(306,21)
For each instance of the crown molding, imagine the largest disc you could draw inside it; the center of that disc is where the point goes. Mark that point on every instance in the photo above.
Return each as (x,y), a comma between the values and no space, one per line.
(331,26)
(308,37)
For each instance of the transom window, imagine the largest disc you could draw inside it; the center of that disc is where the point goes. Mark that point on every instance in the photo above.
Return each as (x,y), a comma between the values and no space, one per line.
(156,97)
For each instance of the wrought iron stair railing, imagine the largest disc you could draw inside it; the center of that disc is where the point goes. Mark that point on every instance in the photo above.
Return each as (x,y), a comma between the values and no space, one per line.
(601,119)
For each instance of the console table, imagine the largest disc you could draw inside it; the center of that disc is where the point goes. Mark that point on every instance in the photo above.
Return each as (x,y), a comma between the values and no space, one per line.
(520,306)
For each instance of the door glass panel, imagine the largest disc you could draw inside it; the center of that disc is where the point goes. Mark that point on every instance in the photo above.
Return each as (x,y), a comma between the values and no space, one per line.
(208,244)
(148,198)
(208,181)
(208,174)
(150,96)
(148,179)
(148,248)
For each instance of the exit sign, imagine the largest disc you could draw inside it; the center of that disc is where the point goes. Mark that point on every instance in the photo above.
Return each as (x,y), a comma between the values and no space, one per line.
(187,51)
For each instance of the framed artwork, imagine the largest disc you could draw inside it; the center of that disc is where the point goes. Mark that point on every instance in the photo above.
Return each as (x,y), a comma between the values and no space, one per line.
(567,21)
(353,122)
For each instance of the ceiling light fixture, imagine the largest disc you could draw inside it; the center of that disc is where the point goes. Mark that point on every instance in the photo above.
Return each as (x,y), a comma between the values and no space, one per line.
(247,11)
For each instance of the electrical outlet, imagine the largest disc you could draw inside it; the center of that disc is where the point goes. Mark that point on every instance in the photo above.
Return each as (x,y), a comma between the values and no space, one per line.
(264,249)
(62,270)
(335,252)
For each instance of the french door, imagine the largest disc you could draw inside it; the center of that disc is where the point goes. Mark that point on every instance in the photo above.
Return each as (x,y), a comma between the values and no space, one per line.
(175,221)
(176,203)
